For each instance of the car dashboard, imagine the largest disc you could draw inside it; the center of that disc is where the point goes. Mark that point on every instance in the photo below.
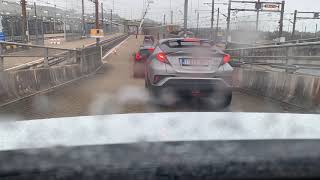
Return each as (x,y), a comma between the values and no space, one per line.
(273,159)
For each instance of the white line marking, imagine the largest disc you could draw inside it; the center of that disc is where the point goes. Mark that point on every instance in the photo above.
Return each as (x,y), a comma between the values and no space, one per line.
(116,47)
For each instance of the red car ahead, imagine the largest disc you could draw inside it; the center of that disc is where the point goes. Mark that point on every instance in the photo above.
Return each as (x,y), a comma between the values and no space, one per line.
(139,61)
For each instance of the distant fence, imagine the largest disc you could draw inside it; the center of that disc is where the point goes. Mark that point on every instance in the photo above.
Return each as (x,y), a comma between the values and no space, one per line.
(290,57)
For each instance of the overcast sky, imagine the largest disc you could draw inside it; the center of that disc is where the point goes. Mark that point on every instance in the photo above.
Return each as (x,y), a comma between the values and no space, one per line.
(133,9)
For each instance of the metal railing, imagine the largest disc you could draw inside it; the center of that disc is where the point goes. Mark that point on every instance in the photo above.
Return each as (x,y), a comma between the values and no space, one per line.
(33,56)
(290,57)
(297,41)
(38,56)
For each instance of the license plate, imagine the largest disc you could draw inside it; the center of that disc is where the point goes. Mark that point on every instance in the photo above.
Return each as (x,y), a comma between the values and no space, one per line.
(194,62)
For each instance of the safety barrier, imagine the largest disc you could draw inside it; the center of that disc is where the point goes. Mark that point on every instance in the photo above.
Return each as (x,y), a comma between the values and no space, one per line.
(303,58)
(288,73)
(54,69)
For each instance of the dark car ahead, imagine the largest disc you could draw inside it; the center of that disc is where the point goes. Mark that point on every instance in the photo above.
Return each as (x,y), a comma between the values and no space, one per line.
(139,60)
(149,41)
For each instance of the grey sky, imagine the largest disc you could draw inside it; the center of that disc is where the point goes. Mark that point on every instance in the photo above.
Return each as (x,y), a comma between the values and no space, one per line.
(124,8)
(133,9)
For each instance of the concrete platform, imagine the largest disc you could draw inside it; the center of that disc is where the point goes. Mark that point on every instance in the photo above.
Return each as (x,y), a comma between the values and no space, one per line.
(14,61)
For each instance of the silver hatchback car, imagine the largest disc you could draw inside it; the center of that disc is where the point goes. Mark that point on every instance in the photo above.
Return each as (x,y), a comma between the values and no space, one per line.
(189,67)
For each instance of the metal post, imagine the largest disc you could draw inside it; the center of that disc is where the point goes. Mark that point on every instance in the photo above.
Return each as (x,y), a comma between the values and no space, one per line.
(316,33)
(36,23)
(294,23)
(111,30)
(102,20)
(212,19)
(24,19)
(83,20)
(42,31)
(185,25)
(97,19)
(228,20)
(1,59)
(281,19)
(198,18)
(28,29)
(46,58)
(65,28)
(54,20)
(258,15)
(217,28)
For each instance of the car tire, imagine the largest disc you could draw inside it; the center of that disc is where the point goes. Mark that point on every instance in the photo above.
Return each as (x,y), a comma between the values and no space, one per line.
(221,99)
(227,99)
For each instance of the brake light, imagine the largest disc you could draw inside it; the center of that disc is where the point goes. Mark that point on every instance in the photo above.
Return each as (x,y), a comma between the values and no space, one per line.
(138,57)
(151,50)
(226,58)
(191,40)
(162,58)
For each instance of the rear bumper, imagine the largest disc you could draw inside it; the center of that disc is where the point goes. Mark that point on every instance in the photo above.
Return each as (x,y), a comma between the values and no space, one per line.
(191,84)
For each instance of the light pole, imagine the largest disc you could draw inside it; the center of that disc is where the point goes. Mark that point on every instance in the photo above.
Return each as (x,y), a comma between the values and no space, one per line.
(185,25)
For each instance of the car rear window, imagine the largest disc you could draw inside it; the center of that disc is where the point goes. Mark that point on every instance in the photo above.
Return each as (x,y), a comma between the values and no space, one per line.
(169,46)
(144,52)
(148,41)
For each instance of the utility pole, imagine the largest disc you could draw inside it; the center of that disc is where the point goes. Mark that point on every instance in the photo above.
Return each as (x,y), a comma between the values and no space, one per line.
(83,21)
(102,20)
(294,23)
(36,22)
(111,21)
(212,19)
(28,29)
(24,19)
(55,17)
(316,15)
(217,27)
(198,18)
(185,25)
(228,20)
(258,7)
(316,33)
(281,19)
(97,19)
(164,19)
(171,13)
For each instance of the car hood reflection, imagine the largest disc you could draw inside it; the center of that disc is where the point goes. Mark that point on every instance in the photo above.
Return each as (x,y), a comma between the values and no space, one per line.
(156,127)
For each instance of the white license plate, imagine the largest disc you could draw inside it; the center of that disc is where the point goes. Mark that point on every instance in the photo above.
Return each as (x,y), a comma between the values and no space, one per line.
(194,62)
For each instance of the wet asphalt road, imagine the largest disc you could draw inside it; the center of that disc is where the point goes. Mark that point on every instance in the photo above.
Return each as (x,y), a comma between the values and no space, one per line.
(113,90)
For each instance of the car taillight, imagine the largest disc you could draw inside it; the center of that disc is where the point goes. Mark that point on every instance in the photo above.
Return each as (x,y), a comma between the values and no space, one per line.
(151,50)
(162,58)
(226,58)
(138,57)
(191,40)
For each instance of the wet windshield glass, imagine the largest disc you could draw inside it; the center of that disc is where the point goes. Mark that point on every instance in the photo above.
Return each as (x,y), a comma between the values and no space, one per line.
(64,60)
